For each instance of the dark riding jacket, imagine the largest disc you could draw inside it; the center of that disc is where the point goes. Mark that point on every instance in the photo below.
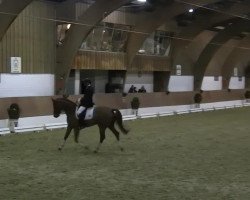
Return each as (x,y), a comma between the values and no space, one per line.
(87,99)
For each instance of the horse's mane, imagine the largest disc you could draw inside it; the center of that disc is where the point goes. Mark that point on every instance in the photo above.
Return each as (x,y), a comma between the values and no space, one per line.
(66,101)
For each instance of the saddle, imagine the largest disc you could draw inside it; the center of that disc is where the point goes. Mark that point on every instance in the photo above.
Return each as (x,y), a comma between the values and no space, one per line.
(86,114)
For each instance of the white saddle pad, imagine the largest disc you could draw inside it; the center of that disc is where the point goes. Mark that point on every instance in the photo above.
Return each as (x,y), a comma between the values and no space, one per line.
(89,113)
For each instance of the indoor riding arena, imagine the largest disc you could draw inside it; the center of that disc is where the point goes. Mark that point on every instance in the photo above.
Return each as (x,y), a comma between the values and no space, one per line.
(125,99)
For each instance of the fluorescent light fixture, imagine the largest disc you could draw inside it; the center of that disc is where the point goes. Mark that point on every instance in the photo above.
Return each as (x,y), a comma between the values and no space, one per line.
(191,10)
(143,1)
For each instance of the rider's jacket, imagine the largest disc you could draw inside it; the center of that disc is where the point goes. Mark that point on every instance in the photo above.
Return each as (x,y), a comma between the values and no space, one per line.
(87,99)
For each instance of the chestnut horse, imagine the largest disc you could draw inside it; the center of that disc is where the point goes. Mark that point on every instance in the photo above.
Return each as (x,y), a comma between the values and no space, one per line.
(104,117)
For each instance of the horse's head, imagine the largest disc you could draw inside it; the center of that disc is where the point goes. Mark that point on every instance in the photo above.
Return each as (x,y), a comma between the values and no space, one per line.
(63,105)
(57,108)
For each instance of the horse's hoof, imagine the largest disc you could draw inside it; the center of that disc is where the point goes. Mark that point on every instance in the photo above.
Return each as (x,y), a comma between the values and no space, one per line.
(60,149)
(95,151)
(122,149)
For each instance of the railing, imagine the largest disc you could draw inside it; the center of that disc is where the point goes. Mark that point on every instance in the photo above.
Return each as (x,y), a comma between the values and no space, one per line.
(51,126)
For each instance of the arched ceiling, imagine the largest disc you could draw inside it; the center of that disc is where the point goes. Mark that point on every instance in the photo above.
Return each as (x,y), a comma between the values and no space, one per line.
(9,9)
(215,64)
(197,36)
(148,24)
(205,19)
(234,28)
(239,58)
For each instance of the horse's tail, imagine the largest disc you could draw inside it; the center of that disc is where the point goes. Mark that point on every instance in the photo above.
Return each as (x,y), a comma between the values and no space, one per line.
(118,117)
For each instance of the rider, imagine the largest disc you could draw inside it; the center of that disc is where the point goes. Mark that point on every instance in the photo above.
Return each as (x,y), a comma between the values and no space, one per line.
(86,101)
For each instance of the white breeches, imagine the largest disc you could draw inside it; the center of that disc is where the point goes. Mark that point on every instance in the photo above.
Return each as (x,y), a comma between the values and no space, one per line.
(79,111)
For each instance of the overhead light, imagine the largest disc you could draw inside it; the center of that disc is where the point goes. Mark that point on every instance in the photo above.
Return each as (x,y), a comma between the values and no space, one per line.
(68,26)
(141,51)
(220,27)
(143,1)
(191,10)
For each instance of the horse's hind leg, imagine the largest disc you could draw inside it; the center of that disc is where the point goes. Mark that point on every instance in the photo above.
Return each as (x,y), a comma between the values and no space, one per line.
(102,137)
(117,135)
(65,138)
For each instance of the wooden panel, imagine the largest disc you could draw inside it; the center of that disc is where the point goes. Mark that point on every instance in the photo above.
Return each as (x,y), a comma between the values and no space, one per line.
(32,37)
(151,63)
(117,61)
(99,60)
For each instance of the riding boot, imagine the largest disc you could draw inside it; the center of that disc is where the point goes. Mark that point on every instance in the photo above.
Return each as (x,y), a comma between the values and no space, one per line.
(81,119)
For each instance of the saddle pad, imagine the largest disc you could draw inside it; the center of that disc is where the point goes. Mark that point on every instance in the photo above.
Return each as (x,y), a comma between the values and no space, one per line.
(89,113)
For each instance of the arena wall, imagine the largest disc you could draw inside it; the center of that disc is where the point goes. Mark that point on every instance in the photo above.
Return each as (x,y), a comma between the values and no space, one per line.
(42,106)
(23,85)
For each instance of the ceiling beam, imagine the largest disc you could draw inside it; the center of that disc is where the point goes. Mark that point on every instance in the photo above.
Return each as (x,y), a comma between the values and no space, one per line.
(238,58)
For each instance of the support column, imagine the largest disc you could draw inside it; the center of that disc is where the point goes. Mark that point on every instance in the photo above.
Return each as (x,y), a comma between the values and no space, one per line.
(77,82)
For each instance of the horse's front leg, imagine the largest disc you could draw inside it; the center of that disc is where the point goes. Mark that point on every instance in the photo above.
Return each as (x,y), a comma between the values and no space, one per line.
(102,137)
(76,133)
(65,138)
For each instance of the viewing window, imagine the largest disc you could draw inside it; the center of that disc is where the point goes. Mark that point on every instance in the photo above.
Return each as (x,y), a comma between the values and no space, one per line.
(107,37)
(158,43)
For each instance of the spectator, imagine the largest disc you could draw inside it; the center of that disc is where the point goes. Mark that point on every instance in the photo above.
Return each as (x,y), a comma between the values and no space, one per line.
(142,90)
(131,89)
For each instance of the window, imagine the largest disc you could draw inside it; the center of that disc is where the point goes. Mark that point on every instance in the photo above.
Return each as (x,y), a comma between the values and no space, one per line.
(157,43)
(107,37)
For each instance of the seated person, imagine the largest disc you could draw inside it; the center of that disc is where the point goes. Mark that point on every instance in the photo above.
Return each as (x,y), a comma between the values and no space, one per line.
(131,89)
(142,89)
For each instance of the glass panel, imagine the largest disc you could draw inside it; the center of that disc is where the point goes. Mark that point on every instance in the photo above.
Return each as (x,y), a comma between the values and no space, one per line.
(62,30)
(107,37)
(157,43)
